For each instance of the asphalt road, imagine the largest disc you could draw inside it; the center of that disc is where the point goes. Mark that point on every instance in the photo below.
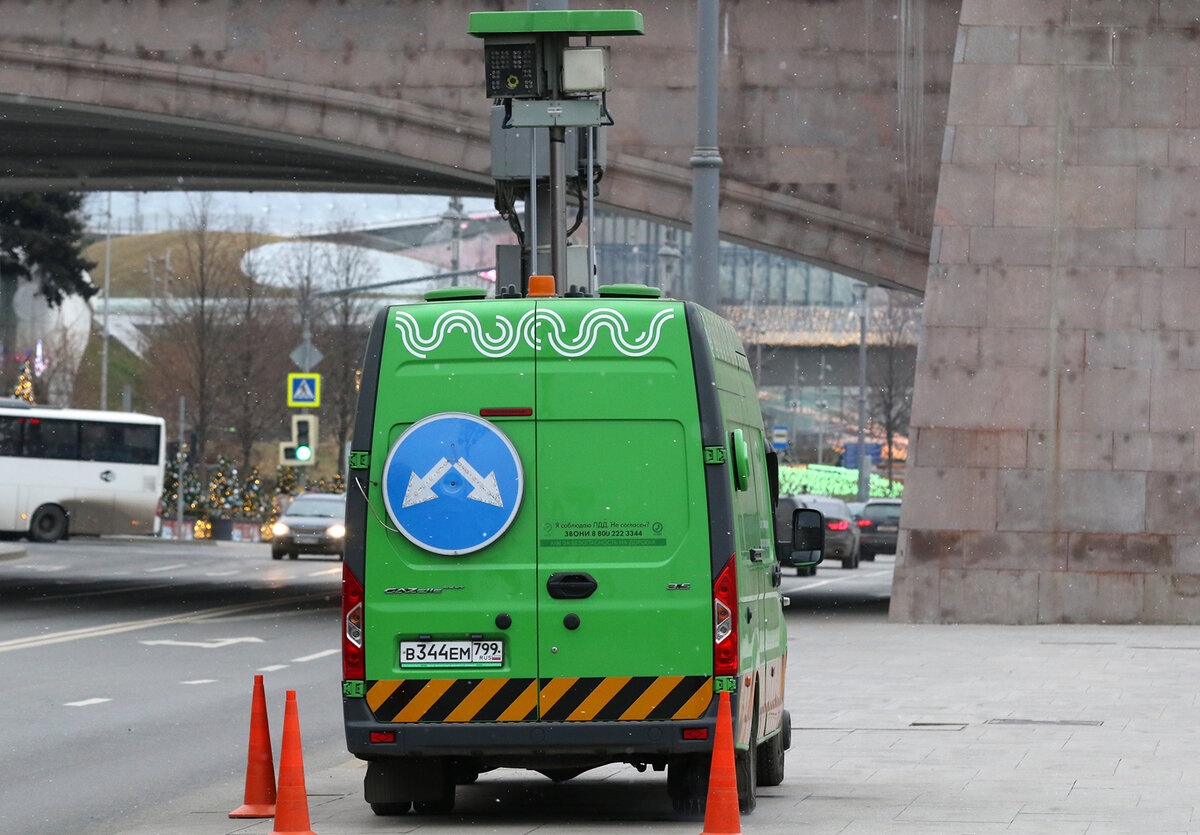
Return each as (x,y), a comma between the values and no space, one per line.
(129,664)
(128,669)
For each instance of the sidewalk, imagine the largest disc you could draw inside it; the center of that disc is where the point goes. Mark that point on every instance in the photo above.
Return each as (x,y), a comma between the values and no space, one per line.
(898,729)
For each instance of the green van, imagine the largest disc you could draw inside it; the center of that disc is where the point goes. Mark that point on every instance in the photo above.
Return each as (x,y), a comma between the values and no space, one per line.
(559,548)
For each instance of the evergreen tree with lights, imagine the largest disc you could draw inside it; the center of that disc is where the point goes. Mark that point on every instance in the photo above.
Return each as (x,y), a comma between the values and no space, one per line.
(223,498)
(24,388)
(287,481)
(170,494)
(256,503)
(193,495)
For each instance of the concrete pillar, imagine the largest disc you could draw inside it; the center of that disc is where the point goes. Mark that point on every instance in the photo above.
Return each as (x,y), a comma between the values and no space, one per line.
(1054,445)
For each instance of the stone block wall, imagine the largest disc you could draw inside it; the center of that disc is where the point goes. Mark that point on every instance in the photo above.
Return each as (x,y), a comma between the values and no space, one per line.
(1055,471)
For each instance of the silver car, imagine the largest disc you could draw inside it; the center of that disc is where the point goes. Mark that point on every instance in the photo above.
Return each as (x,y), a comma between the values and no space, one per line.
(314,523)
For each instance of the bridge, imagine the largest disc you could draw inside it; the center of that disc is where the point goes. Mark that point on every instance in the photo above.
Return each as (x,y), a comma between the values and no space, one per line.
(1032,167)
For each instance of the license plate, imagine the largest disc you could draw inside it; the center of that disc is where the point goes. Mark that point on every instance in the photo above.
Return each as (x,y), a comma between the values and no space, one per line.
(307,540)
(451,653)
(888,528)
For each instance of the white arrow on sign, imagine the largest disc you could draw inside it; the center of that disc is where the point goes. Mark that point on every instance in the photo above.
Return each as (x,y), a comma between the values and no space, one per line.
(420,489)
(217,644)
(486,490)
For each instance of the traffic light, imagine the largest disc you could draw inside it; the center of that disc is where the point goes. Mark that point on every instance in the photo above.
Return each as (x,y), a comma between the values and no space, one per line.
(304,433)
(301,451)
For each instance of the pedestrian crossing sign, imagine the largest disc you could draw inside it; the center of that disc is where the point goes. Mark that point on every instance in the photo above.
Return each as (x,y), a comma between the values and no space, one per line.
(304,390)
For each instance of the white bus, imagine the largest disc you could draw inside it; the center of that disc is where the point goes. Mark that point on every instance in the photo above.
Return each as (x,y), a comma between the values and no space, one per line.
(77,471)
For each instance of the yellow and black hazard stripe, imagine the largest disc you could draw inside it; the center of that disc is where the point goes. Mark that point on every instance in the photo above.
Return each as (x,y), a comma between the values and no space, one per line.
(624,698)
(453,700)
(600,699)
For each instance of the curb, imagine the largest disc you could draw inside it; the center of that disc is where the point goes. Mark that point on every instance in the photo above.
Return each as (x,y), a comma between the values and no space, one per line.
(11,552)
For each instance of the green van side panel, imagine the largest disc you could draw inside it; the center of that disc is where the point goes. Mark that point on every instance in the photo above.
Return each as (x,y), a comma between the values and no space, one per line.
(763,650)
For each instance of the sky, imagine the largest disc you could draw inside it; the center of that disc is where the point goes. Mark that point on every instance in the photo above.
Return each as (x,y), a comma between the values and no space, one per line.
(280,213)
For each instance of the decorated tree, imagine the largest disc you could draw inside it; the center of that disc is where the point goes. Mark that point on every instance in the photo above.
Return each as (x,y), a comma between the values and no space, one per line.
(257,503)
(223,493)
(287,481)
(337,484)
(24,386)
(170,493)
(193,495)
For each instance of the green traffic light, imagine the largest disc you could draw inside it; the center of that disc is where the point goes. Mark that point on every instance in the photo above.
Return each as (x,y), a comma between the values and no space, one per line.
(303,453)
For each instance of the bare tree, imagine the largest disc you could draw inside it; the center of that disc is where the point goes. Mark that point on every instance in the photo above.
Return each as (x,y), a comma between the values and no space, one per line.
(344,336)
(891,380)
(190,351)
(324,278)
(255,386)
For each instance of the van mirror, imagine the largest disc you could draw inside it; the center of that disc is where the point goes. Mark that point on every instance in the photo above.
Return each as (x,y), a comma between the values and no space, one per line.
(808,531)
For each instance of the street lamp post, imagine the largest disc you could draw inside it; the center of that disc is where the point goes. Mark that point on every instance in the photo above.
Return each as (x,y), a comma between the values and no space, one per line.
(705,161)
(864,464)
(669,256)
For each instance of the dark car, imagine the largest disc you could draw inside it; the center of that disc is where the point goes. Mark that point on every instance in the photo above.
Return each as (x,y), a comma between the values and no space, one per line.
(314,523)
(805,562)
(841,534)
(878,527)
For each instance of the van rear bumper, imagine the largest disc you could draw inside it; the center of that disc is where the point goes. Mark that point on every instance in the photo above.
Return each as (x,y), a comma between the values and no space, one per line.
(519,743)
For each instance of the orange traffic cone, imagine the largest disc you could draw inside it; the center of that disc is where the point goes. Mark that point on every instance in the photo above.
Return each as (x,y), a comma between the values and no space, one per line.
(291,810)
(721,807)
(259,799)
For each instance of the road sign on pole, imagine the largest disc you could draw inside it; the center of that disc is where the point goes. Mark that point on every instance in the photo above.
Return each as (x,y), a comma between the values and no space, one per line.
(306,355)
(779,437)
(304,390)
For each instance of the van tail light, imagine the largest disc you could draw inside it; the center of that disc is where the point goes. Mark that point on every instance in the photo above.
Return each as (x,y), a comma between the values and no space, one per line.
(353,660)
(838,525)
(726,654)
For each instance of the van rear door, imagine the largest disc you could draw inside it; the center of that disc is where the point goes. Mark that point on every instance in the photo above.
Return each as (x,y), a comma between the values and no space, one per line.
(451,618)
(624,582)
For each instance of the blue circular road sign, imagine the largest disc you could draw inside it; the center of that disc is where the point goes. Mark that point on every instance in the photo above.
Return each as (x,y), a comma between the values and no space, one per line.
(452,483)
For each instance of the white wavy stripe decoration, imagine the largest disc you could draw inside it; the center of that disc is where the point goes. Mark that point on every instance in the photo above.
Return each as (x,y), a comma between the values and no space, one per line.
(553,332)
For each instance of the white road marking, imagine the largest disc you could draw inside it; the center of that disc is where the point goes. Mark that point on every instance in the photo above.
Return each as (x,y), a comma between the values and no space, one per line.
(87,703)
(220,573)
(272,668)
(217,644)
(200,681)
(129,626)
(855,576)
(315,656)
(171,567)
(324,572)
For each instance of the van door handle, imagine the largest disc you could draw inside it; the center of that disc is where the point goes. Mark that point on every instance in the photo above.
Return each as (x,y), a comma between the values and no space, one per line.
(756,554)
(571,585)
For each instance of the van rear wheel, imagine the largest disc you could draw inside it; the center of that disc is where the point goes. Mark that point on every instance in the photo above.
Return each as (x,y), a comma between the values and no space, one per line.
(387,810)
(771,754)
(746,765)
(687,783)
